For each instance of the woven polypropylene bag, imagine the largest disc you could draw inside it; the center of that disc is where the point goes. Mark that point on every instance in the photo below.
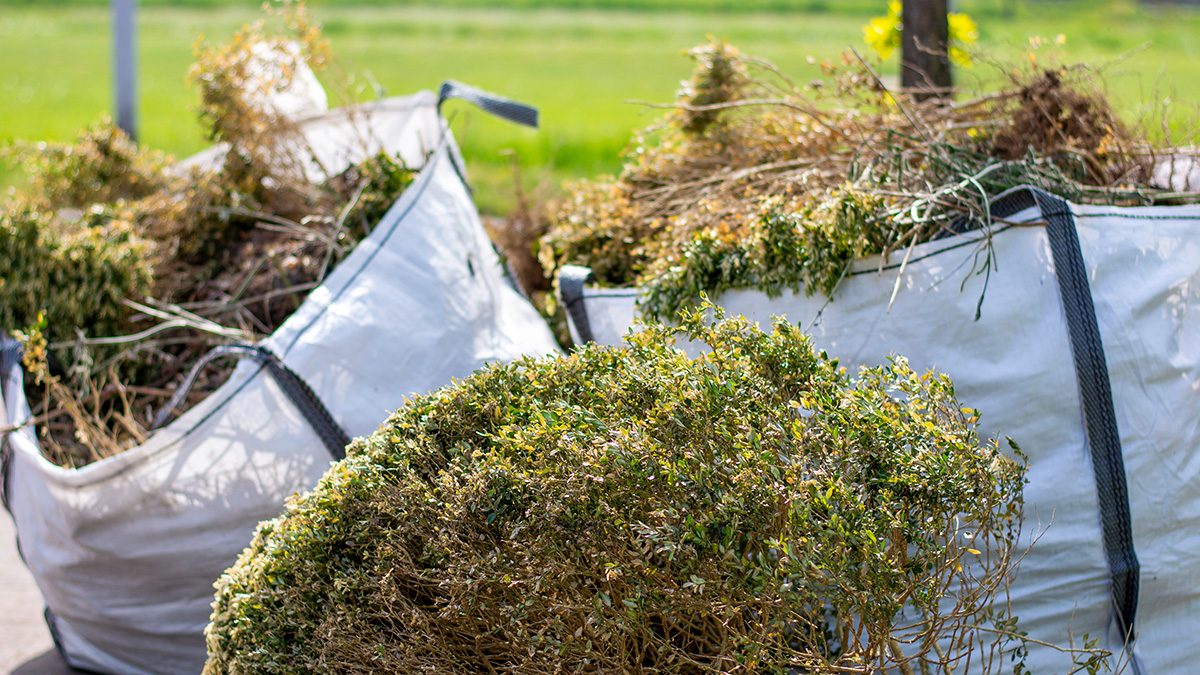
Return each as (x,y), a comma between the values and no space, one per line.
(1015,364)
(125,550)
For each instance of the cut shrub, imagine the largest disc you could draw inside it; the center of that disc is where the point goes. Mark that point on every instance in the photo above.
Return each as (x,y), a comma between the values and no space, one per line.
(637,509)
(72,275)
(752,181)
(121,269)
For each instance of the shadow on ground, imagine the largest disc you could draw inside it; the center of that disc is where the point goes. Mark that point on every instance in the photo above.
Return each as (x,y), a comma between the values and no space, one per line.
(46,663)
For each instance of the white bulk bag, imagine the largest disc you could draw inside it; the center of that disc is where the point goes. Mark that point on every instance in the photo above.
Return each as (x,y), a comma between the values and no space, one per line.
(333,141)
(125,550)
(1029,366)
(302,94)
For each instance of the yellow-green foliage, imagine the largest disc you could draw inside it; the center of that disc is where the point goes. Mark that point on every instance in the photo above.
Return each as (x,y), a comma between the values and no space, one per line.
(101,166)
(74,274)
(380,179)
(236,80)
(778,250)
(719,78)
(262,59)
(637,510)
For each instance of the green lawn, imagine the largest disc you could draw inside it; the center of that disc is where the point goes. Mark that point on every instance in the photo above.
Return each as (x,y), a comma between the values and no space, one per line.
(581,61)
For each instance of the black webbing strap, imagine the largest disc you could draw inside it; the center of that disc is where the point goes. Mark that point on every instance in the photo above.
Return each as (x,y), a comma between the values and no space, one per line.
(504,108)
(309,404)
(56,637)
(294,387)
(499,106)
(10,361)
(1095,393)
(5,462)
(571,281)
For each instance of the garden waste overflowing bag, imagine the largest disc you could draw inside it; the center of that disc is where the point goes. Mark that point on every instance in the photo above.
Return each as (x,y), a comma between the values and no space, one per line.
(126,549)
(1082,344)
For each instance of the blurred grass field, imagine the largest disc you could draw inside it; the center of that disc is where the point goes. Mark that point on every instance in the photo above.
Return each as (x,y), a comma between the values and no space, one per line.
(580,61)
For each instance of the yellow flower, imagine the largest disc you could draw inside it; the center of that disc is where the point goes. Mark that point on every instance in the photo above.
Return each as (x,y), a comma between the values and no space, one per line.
(963,28)
(963,32)
(883,34)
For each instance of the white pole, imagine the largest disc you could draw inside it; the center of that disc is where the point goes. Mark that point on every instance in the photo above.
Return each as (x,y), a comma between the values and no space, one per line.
(125,65)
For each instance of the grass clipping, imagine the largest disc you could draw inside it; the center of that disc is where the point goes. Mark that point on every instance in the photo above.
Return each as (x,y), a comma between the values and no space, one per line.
(753,181)
(636,510)
(118,270)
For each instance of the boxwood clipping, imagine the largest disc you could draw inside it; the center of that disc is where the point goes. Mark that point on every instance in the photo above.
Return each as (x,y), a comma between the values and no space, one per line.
(634,509)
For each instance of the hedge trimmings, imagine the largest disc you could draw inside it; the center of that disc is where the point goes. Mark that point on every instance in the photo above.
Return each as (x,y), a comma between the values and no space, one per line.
(119,270)
(851,168)
(635,509)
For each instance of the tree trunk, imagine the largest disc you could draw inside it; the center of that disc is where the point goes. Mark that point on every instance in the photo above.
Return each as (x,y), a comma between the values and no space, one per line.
(925,66)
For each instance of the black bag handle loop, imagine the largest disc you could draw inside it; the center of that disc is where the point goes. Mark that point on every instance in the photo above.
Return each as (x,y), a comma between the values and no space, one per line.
(571,282)
(1095,394)
(10,364)
(504,108)
(294,387)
